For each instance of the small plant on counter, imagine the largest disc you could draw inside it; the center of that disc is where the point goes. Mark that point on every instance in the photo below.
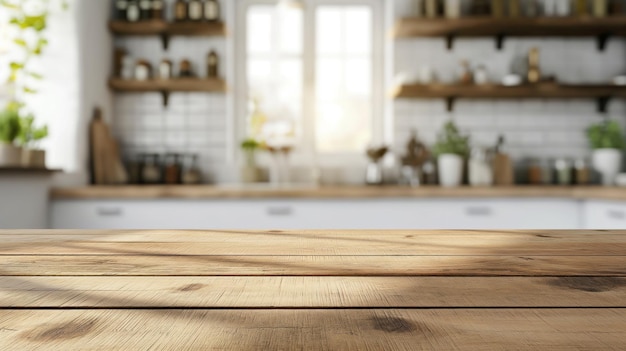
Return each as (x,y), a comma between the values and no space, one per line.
(450,141)
(606,135)
(9,125)
(10,154)
(607,141)
(30,135)
(250,147)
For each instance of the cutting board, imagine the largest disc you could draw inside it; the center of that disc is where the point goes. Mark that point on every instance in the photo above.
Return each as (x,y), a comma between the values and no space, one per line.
(107,167)
(503,171)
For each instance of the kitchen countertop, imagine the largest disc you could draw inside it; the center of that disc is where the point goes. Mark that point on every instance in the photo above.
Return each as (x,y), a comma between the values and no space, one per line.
(330,192)
(313,290)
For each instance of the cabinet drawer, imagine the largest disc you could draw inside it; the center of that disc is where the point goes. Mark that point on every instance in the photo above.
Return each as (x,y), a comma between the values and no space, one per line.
(605,215)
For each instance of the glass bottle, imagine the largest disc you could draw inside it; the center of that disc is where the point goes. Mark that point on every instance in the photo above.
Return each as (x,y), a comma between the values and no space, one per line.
(194,10)
(121,6)
(212,64)
(211,10)
(581,7)
(145,8)
(133,13)
(180,11)
(157,10)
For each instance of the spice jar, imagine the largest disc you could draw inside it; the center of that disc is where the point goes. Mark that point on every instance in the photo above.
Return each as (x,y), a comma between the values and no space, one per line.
(192,175)
(143,70)
(582,172)
(212,64)
(186,70)
(151,172)
(172,171)
(563,171)
(165,69)
(535,172)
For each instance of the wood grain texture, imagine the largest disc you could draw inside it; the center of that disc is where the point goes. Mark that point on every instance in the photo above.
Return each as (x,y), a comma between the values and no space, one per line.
(332,192)
(314,265)
(389,329)
(311,243)
(311,292)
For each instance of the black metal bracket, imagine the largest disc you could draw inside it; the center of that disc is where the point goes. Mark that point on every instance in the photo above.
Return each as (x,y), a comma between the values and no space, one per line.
(166,97)
(500,41)
(450,100)
(165,40)
(603,103)
(450,41)
(602,40)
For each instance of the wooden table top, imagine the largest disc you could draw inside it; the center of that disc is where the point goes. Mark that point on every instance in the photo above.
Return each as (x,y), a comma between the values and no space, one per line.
(312,290)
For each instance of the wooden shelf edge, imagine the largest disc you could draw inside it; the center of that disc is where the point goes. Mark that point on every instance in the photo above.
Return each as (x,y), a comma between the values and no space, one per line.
(489,26)
(500,91)
(168,28)
(174,85)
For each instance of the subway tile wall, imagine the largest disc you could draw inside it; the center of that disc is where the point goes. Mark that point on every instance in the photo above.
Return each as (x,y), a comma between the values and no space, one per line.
(192,123)
(532,128)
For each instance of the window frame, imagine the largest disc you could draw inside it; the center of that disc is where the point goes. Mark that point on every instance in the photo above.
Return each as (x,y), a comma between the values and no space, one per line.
(305,153)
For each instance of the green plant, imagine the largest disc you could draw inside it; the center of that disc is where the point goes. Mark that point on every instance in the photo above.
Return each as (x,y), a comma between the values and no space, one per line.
(606,135)
(9,124)
(29,134)
(450,141)
(249,147)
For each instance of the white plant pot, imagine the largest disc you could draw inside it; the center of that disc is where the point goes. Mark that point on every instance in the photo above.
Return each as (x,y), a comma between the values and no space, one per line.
(10,155)
(608,162)
(33,158)
(450,169)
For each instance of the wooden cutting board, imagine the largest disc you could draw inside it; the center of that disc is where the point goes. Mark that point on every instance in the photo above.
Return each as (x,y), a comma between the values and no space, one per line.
(106,162)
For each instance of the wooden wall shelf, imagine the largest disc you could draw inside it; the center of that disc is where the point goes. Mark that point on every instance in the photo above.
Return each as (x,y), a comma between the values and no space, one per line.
(166,87)
(602,93)
(166,30)
(500,28)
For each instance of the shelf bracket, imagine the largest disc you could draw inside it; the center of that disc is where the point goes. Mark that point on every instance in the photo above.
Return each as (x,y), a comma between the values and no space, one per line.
(500,41)
(450,100)
(450,41)
(603,103)
(165,40)
(603,40)
(166,97)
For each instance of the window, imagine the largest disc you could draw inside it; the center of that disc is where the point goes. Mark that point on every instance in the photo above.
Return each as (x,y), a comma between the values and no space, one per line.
(316,70)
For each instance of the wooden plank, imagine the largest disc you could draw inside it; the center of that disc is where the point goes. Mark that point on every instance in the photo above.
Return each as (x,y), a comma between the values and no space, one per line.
(547,329)
(517,27)
(540,91)
(329,243)
(310,292)
(171,85)
(313,265)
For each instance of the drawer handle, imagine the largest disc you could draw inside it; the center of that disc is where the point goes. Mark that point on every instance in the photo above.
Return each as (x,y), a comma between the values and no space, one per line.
(280,211)
(109,212)
(479,211)
(616,214)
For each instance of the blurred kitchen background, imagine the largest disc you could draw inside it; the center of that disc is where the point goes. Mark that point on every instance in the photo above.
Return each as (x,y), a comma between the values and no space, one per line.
(295,114)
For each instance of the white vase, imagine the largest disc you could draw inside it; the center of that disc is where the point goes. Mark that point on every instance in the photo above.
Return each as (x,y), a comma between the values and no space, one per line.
(10,155)
(608,162)
(450,168)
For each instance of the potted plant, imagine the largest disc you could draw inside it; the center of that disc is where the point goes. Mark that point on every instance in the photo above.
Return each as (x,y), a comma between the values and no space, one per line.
(250,172)
(451,149)
(607,141)
(10,153)
(29,137)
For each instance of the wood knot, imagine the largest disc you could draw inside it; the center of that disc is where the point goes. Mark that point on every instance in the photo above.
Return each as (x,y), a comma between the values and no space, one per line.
(543,236)
(589,284)
(409,236)
(64,331)
(392,324)
(191,287)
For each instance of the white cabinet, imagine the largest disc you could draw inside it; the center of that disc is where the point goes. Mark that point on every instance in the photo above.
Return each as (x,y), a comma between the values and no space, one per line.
(317,214)
(604,215)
